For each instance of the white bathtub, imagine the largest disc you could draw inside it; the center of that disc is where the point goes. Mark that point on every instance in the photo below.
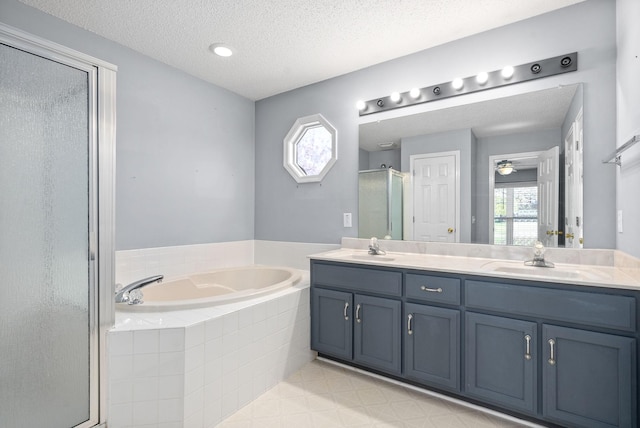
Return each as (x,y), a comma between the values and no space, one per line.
(214,288)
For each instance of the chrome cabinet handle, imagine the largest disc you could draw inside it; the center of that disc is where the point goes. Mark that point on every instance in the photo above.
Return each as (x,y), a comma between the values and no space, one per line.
(346,307)
(358,313)
(409,319)
(527,352)
(552,357)
(431,290)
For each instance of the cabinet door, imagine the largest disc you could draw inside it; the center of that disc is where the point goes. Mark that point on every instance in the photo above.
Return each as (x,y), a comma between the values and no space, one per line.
(587,378)
(500,361)
(431,338)
(331,331)
(377,333)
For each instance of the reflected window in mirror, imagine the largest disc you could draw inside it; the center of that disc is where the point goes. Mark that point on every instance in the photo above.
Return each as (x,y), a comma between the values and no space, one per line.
(515,219)
(310,148)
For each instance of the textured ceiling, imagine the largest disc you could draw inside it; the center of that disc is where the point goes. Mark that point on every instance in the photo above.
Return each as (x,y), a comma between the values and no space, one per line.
(285,44)
(522,113)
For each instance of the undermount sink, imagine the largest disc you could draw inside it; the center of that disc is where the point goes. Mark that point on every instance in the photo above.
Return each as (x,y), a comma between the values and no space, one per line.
(518,268)
(371,257)
(540,272)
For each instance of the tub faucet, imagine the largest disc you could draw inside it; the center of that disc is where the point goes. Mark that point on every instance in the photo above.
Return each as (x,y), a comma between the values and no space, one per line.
(538,257)
(131,293)
(374,248)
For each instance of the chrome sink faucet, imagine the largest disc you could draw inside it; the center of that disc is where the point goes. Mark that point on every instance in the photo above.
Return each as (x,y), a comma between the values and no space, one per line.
(538,257)
(374,248)
(131,294)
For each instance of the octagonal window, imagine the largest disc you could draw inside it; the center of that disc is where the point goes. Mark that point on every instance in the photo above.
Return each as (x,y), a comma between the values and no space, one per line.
(310,148)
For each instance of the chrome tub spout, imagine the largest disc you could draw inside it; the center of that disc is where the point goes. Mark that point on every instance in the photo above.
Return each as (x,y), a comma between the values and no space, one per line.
(127,294)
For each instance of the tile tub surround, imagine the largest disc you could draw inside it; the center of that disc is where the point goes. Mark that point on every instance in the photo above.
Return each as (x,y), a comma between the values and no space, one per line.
(194,368)
(132,265)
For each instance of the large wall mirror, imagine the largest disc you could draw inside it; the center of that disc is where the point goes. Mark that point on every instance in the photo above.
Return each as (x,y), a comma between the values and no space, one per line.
(506,171)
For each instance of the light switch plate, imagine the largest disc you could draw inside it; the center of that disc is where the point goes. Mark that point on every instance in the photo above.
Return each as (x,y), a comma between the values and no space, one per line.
(619,221)
(346,220)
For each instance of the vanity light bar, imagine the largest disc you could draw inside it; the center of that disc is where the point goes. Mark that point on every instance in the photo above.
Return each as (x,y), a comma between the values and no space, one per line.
(484,80)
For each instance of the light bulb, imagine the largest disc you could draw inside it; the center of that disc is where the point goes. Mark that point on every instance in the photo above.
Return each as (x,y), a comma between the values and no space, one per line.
(360,105)
(414,93)
(457,83)
(507,72)
(482,77)
(395,97)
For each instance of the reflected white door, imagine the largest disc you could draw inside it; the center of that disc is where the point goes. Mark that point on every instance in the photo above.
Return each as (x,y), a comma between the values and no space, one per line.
(573,185)
(548,178)
(435,198)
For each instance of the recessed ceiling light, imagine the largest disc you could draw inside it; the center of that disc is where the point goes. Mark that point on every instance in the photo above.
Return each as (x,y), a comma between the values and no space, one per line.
(221,49)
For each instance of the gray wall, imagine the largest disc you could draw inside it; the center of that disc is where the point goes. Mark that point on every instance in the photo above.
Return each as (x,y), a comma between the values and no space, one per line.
(387,157)
(287,211)
(628,104)
(185,148)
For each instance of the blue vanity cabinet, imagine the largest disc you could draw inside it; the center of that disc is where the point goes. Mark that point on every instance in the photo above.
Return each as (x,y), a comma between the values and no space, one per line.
(331,325)
(376,333)
(501,361)
(588,378)
(356,315)
(431,346)
(586,356)
(561,354)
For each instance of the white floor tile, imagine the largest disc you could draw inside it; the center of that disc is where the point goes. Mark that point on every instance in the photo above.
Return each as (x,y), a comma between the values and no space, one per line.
(325,395)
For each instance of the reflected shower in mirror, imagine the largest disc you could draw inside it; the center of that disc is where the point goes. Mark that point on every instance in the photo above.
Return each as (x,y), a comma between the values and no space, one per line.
(451,159)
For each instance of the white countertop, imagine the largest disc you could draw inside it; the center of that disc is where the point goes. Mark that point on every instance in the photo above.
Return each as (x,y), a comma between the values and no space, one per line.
(567,273)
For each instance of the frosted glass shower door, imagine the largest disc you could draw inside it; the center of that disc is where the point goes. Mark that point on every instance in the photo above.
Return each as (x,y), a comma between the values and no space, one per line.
(47,297)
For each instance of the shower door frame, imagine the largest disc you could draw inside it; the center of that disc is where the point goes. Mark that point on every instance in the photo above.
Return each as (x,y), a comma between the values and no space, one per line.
(102,121)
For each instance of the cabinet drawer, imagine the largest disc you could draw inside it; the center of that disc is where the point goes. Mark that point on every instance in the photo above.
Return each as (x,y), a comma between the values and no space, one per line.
(430,288)
(594,309)
(357,279)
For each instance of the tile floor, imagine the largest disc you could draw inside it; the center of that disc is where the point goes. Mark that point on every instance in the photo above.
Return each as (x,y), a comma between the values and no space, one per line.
(322,395)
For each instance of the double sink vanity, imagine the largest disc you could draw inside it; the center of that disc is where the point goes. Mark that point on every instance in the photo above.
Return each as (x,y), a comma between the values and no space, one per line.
(557,346)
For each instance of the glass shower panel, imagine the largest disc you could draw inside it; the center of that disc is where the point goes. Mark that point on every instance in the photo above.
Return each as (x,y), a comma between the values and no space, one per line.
(373,209)
(396,205)
(45,272)
(380,204)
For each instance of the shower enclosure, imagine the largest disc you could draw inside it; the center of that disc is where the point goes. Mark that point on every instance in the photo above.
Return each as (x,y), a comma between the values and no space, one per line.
(56,252)
(380,203)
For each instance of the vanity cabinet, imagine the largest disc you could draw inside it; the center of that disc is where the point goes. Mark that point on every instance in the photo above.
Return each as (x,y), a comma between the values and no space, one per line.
(501,361)
(331,326)
(358,327)
(557,353)
(431,346)
(588,378)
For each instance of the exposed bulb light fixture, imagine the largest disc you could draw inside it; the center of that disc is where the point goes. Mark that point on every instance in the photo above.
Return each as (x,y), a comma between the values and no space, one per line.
(361,105)
(221,49)
(507,72)
(482,81)
(505,167)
